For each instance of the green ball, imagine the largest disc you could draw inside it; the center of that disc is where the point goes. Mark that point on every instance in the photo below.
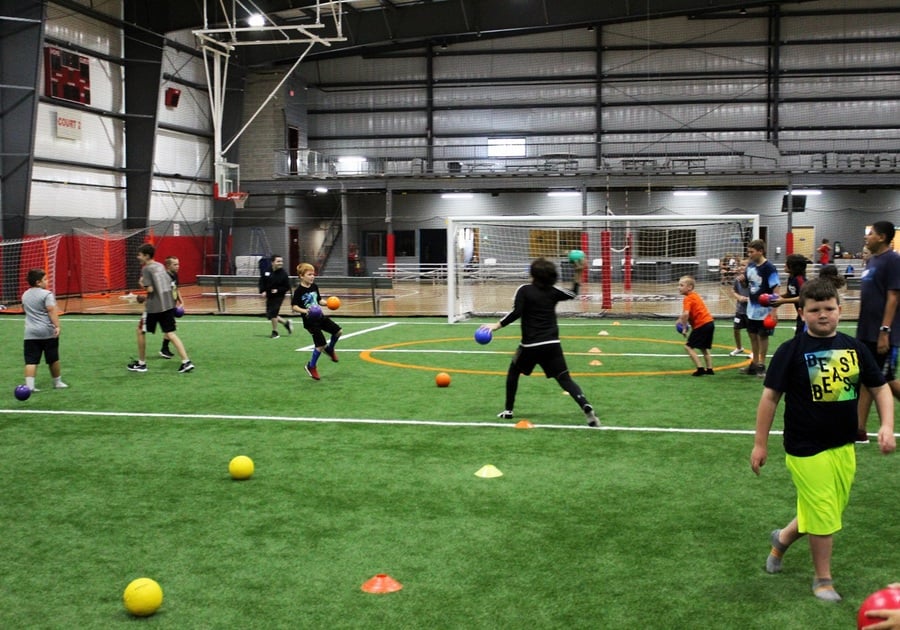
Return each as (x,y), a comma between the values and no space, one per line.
(575,255)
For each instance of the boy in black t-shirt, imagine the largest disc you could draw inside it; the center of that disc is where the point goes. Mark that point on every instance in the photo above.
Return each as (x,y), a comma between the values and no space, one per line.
(820,373)
(305,296)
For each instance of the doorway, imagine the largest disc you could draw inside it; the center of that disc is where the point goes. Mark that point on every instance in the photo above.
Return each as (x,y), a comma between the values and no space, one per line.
(805,241)
(432,247)
(293,151)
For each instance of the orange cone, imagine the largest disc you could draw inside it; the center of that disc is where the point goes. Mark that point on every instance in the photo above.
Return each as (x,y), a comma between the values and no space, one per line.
(380,584)
(524,424)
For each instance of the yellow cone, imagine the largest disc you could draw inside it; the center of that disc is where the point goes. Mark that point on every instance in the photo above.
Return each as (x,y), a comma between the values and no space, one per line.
(524,424)
(595,362)
(488,471)
(595,350)
(603,333)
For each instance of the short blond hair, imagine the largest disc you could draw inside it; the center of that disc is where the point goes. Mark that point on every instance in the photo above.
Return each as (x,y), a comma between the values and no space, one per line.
(302,268)
(688,280)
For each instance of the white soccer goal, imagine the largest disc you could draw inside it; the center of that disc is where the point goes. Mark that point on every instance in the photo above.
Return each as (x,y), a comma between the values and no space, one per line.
(628,259)
(17,256)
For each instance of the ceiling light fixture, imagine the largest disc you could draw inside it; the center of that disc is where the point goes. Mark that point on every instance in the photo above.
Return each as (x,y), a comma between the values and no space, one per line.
(803,193)
(456,196)
(256,20)
(689,193)
(563,193)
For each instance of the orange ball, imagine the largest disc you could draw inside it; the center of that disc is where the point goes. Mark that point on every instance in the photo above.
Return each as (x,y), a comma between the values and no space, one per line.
(442,379)
(769,322)
(333,302)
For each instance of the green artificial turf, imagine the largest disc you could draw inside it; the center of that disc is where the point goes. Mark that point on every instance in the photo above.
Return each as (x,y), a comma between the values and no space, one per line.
(654,521)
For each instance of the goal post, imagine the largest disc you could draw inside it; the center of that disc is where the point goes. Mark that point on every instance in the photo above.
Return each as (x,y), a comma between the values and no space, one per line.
(17,257)
(628,259)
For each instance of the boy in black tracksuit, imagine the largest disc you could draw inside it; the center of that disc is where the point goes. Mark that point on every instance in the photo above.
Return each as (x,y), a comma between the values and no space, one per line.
(275,284)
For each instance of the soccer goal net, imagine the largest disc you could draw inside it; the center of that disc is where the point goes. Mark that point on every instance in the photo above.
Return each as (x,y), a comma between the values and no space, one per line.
(17,256)
(108,260)
(629,262)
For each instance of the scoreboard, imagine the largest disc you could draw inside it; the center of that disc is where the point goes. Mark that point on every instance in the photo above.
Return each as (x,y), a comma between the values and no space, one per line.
(67,75)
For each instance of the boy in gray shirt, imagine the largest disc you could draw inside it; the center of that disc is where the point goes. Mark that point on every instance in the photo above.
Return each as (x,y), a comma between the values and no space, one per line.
(41,329)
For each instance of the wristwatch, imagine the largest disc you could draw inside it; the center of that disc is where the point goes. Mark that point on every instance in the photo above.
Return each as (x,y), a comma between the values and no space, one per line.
(886,329)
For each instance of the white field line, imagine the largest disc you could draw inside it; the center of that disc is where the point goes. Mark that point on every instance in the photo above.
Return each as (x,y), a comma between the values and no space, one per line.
(353,334)
(130,415)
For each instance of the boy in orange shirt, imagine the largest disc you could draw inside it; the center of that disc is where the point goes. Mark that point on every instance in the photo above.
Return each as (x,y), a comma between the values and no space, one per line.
(696,317)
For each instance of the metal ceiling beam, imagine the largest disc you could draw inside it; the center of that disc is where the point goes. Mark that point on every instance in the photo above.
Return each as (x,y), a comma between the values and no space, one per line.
(397,26)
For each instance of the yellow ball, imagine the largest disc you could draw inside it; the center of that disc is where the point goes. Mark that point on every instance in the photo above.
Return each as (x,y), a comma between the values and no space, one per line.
(241,467)
(143,597)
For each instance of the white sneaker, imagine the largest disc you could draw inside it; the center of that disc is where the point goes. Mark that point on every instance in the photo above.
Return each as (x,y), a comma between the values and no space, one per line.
(737,352)
(60,385)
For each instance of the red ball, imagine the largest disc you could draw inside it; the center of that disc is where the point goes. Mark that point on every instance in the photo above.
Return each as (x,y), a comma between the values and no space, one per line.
(885,599)
(764,299)
(769,322)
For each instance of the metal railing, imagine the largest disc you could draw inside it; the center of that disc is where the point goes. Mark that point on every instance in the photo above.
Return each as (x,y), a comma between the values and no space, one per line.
(879,155)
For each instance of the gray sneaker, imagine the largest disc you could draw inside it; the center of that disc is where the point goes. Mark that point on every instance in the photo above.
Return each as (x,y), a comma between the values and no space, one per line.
(592,419)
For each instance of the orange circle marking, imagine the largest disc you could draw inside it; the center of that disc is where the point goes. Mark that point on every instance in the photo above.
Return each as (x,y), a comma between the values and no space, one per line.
(366,355)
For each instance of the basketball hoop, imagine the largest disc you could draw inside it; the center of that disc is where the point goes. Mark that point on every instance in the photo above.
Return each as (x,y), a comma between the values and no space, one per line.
(239,198)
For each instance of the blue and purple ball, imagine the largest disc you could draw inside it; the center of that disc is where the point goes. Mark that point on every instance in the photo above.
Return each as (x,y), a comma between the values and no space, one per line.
(315,311)
(483,336)
(22,392)
(179,311)
(681,328)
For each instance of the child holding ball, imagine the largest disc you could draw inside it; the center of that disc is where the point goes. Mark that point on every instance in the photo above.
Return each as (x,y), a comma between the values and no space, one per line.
(535,304)
(309,302)
(696,316)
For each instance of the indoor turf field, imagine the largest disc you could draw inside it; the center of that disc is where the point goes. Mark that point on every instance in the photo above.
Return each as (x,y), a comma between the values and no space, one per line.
(654,520)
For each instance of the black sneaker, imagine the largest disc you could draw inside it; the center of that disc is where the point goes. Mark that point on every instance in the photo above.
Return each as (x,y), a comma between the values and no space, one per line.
(592,419)
(709,372)
(166,354)
(861,436)
(699,372)
(275,335)
(750,369)
(289,325)
(761,370)
(331,353)
(137,366)
(185,367)
(506,414)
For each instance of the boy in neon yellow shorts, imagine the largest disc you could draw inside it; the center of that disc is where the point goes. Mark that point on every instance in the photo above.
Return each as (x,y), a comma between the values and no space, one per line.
(820,373)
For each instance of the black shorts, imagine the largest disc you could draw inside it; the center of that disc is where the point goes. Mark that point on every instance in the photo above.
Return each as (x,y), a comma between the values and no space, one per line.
(34,348)
(273,305)
(166,321)
(548,356)
(317,327)
(740,321)
(701,338)
(755,327)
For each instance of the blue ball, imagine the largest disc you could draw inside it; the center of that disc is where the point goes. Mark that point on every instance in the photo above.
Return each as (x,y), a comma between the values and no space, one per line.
(179,311)
(679,327)
(483,336)
(315,311)
(23,392)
